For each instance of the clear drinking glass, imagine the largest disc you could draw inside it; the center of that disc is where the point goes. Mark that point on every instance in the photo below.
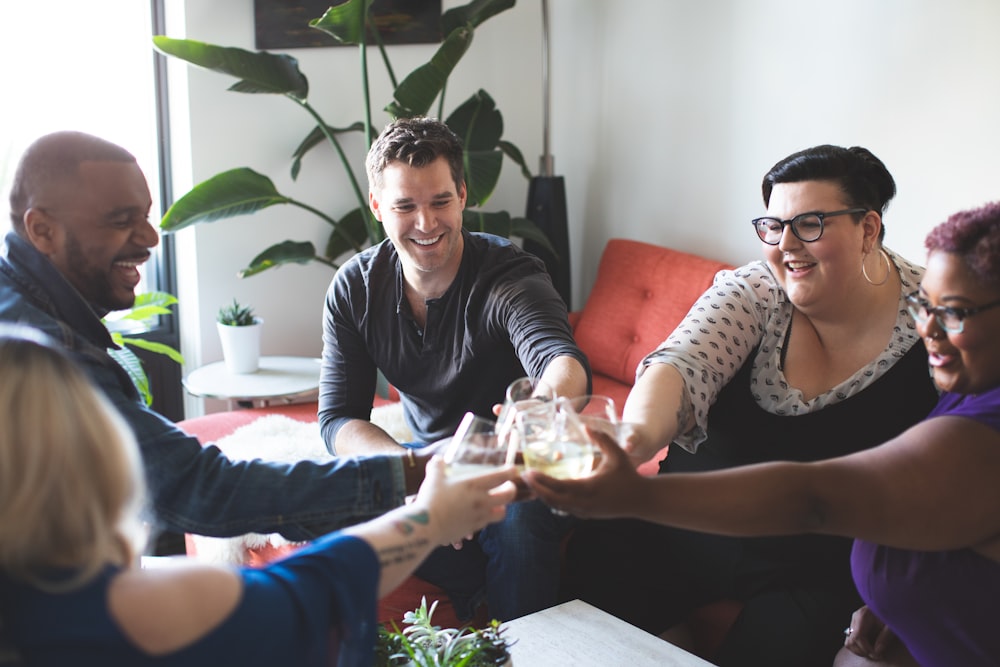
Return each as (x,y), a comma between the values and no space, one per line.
(522,393)
(552,439)
(476,449)
(597,412)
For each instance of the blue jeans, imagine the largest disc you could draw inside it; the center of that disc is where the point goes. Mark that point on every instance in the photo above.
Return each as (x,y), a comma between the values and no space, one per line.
(513,565)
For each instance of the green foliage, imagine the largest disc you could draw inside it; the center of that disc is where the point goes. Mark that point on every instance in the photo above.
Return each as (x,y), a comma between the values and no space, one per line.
(236,315)
(242,191)
(148,306)
(423,644)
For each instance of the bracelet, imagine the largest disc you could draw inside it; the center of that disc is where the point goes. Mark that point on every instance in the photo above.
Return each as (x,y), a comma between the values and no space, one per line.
(411,458)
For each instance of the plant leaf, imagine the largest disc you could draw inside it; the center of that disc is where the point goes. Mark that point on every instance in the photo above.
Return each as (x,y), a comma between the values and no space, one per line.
(417,91)
(128,360)
(344,22)
(492,222)
(149,305)
(353,225)
(529,231)
(259,72)
(235,192)
(473,13)
(514,153)
(316,137)
(153,346)
(482,173)
(478,122)
(286,252)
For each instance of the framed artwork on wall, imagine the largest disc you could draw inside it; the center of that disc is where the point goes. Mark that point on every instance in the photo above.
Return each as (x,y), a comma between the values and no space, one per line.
(284,24)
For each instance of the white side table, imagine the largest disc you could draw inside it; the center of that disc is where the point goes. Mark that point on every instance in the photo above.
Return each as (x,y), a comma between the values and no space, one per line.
(278,378)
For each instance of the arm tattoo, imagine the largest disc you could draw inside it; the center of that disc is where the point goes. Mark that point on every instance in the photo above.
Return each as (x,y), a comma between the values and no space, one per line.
(400,553)
(405,526)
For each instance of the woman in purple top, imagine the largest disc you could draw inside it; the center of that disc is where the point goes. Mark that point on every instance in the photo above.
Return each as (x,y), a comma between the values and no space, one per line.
(924,507)
(70,489)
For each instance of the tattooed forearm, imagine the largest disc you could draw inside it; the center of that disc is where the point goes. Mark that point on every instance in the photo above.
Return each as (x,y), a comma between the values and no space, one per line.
(402,553)
(405,525)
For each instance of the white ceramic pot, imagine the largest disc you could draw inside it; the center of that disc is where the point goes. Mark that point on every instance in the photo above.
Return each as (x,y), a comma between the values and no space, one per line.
(241,346)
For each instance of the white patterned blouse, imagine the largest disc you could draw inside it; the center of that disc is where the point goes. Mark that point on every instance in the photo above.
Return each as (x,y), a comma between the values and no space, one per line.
(747,309)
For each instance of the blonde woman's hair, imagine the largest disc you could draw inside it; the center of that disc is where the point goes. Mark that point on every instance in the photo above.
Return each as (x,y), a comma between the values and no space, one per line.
(70,475)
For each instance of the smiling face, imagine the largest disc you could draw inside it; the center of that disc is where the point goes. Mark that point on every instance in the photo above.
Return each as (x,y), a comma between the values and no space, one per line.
(967,362)
(96,231)
(421,210)
(821,274)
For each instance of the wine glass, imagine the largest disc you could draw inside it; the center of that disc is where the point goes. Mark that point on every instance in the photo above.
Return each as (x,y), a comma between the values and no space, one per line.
(475,449)
(597,412)
(521,394)
(552,439)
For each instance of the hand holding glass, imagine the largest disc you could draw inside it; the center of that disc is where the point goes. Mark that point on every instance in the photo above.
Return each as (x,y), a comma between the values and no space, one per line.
(522,393)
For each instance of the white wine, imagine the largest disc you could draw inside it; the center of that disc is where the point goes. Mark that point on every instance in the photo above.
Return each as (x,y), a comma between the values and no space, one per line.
(563,460)
(463,470)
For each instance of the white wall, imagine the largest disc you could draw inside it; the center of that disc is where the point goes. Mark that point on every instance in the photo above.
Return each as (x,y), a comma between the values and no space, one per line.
(669,112)
(666,114)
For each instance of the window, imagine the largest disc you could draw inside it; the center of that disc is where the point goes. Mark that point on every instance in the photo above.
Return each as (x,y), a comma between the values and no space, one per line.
(72,65)
(90,66)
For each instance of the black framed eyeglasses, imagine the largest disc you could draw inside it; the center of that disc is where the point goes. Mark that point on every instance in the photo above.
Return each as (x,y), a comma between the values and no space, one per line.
(807,227)
(952,320)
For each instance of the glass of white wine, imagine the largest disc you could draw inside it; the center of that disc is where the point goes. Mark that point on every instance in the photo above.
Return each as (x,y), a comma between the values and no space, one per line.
(522,394)
(552,439)
(476,449)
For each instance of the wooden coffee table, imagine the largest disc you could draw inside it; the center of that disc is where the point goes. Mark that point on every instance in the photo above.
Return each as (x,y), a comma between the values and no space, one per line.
(579,634)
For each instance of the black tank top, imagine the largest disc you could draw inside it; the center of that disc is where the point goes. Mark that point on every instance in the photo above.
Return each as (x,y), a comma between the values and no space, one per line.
(740,433)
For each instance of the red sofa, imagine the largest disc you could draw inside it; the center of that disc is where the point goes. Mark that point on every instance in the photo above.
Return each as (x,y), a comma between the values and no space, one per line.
(641,293)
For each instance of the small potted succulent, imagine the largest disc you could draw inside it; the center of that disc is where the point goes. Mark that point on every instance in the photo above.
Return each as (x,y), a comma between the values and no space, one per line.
(239,330)
(422,644)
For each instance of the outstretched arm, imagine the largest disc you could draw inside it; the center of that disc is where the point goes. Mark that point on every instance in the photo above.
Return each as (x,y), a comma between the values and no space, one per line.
(443,512)
(931,488)
(657,410)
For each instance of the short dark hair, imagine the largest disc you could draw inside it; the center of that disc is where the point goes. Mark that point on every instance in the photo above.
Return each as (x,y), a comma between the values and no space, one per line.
(417,142)
(861,176)
(53,159)
(973,235)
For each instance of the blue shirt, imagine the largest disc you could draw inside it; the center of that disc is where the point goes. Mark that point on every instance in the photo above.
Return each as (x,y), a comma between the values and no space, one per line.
(317,604)
(195,489)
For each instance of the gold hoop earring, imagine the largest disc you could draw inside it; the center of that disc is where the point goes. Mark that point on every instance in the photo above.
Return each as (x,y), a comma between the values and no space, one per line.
(888,269)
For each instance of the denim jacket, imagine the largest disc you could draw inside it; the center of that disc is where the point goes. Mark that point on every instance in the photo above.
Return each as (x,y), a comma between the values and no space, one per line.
(193,488)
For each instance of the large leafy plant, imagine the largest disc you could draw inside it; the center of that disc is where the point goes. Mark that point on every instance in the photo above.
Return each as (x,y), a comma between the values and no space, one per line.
(243,191)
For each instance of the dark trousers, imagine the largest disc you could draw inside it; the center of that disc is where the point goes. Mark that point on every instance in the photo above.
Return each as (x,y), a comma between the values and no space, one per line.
(653,577)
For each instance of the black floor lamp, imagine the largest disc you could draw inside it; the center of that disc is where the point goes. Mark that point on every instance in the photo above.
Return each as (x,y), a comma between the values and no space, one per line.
(547,193)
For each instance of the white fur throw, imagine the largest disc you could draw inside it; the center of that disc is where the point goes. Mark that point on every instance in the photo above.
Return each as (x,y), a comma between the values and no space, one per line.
(279,438)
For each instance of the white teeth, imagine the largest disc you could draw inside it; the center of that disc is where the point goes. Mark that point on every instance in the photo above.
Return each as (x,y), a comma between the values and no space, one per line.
(797,265)
(426,241)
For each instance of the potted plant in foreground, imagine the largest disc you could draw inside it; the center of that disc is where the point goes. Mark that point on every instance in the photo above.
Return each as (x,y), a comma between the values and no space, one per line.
(239,332)
(422,644)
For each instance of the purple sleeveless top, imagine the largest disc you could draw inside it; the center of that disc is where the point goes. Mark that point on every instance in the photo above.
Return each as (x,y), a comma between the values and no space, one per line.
(944,605)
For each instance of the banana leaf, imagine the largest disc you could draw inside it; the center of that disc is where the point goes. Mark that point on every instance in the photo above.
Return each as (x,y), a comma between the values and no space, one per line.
(259,72)
(235,192)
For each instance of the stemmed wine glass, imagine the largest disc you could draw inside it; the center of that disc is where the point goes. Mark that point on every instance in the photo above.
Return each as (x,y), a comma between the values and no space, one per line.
(521,394)
(476,449)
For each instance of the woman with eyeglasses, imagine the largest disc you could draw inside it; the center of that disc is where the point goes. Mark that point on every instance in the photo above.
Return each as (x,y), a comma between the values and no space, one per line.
(924,507)
(806,355)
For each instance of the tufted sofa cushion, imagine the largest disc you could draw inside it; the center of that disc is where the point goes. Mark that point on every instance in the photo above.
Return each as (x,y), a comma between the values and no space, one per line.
(641,293)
